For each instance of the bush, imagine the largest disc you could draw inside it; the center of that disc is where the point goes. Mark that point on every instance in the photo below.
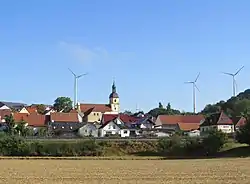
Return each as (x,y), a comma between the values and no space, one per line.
(243,135)
(214,142)
(14,146)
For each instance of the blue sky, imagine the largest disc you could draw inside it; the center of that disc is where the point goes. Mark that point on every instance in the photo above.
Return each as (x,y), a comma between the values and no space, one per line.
(149,47)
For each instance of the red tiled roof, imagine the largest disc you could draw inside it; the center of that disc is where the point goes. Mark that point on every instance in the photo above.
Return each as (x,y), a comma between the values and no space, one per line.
(96,107)
(189,126)
(241,122)
(64,117)
(4,112)
(32,119)
(174,119)
(31,109)
(123,117)
(224,120)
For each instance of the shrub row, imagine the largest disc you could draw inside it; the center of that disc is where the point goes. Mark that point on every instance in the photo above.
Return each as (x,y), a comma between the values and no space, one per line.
(192,146)
(175,146)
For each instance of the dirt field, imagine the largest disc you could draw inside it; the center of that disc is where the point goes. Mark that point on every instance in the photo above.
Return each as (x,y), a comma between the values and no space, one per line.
(125,171)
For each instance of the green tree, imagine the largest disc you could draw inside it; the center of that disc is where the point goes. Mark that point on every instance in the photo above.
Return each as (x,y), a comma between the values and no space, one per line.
(128,112)
(163,111)
(10,123)
(63,104)
(243,134)
(21,128)
(160,105)
(40,109)
(214,142)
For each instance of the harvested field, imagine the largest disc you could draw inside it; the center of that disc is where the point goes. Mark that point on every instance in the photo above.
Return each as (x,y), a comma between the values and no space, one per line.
(125,171)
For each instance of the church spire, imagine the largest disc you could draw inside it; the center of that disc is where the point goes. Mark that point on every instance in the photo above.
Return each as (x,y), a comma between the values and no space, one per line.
(113,87)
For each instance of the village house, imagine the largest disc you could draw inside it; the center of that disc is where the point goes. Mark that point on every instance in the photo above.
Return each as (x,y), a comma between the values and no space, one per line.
(64,124)
(175,123)
(114,127)
(93,112)
(89,130)
(239,122)
(217,121)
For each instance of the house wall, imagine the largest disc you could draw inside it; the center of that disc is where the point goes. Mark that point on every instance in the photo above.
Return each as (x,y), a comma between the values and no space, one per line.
(110,128)
(124,133)
(223,128)
(88,130)
(95,117)
(158,121)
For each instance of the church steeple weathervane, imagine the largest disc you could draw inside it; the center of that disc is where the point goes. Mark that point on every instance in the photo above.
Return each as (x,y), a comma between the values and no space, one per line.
(113,87)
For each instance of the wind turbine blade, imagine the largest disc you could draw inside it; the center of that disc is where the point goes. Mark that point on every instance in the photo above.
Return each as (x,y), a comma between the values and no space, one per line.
(196,87)
(82,75)
(239,70)
(188,82)
(197,77)
(228,73)
(72,72)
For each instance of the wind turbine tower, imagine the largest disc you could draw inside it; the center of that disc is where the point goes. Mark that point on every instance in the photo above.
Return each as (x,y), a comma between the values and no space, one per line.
(194,87)
(234,81)
(76,77)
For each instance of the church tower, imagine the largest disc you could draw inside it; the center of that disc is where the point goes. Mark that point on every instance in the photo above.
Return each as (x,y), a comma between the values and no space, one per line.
(114,100)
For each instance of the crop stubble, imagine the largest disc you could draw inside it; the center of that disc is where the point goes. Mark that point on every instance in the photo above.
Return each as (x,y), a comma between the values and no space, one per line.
(125,171)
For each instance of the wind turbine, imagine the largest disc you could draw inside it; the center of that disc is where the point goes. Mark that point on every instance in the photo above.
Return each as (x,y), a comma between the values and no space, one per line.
(194,86)
(76,77)
(234,81)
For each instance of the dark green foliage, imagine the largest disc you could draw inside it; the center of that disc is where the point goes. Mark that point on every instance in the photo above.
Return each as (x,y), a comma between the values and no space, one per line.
(214,142)
(14,146)
(163,111)
(243,135)
(40,109)
(233,107)
(191,146)
(63,104)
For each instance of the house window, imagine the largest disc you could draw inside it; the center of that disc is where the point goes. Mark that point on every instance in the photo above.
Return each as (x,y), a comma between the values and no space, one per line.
(125,131)
(110,126)
(71,127)
(94,114)
(114,100)
(97,114)
(54,127)
(62,127)
(113,126)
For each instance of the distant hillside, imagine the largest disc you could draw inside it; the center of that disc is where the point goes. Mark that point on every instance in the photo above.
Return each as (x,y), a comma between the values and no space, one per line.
(234,107)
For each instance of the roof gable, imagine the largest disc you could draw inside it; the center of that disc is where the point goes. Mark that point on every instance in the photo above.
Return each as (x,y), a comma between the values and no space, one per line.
(217,119)
(241,122)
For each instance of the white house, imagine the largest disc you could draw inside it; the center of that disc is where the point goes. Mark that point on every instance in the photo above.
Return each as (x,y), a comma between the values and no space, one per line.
(89,129)
(114,127)
(218,121)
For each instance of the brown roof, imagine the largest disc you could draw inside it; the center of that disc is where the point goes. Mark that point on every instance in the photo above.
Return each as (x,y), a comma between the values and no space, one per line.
(217,119)
(4,112)
(174,119)
(123,117)
(64,117)
(31,109)
(241,122)
(96,107)
(33,119)
(188,126)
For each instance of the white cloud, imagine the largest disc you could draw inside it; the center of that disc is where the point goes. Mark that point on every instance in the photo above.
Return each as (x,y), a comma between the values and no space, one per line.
(84,54)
